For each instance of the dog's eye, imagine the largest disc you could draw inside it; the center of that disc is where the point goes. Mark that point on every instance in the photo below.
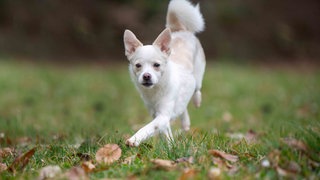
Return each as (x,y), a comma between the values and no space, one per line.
(156,65)
(138,65)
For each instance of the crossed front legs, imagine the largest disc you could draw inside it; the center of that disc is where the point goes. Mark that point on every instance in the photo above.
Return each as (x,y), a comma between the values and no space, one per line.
(161,124)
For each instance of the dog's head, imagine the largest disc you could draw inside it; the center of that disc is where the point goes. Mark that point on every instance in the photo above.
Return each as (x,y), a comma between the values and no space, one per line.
(147,63)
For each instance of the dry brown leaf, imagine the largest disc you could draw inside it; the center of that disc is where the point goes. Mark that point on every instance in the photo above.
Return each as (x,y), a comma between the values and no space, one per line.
(20,162)
(219,162)
(224,165)
(189,160)
(284,172)
(293,167)
(75,173)
(129,160)
(164,164)
(296,144)
(274,157)
(188,174)
(88,167)
(233,169)
(226,156)
(214,173)
(4,152)
(3,167)
(108,154)
(49,172)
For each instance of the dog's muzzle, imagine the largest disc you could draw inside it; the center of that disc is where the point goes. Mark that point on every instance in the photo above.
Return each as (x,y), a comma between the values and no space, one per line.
(147,82)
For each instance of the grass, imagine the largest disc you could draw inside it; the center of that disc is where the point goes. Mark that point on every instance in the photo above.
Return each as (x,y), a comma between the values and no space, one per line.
(69,110)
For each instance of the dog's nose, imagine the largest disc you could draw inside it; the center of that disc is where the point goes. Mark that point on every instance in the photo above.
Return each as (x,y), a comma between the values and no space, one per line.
(146,76)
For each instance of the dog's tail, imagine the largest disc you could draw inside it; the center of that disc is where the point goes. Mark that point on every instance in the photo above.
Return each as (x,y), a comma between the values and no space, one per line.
(183,16)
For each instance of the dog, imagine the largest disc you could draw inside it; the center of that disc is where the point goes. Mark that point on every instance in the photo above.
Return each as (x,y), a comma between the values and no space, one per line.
(168,73)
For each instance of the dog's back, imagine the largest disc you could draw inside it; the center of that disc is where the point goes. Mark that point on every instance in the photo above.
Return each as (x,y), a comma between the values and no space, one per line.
(184,20)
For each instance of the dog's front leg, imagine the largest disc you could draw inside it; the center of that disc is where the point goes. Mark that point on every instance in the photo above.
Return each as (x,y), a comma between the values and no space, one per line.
(160,124)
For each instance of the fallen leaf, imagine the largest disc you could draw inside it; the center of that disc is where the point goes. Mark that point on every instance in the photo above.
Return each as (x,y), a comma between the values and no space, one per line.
(274,157)
(20,162)
(108,154)
(226,156)
(3,167)
(233,169)
(188,174)
(4,152)
(284,172)
(88,167)
(293,167)
(129,160)
(189,160)
(214,173)
(296,144)
(219,162)
(49,172)
(224,165)
(250,137)
(75,173)
(164,164)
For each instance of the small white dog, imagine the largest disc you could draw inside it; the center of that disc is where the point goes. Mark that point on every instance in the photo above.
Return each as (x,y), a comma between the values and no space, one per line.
(168,72)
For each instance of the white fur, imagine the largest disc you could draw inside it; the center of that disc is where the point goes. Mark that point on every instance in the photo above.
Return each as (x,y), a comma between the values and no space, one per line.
(169,72)
(187,15)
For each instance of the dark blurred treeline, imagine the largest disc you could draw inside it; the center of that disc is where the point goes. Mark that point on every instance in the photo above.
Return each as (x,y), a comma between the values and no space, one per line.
(92,29)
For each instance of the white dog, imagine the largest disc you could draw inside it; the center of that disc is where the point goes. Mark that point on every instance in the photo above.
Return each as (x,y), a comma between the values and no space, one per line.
(168,72)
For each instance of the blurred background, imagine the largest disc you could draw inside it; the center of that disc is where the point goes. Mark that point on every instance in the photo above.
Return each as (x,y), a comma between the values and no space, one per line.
(91,30)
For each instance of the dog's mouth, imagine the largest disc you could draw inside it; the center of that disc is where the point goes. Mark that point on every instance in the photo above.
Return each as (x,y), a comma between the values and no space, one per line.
(147,84)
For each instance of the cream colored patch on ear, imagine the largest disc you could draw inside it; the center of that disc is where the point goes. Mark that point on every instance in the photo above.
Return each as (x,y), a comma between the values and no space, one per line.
(131,43)
(163,41)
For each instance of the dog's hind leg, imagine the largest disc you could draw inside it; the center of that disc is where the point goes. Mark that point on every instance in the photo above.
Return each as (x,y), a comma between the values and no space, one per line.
(197,98)
(185,121)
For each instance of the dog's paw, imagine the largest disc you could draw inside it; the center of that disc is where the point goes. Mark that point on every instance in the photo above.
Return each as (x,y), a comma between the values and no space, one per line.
(197,99)
(132,143)
(186,128)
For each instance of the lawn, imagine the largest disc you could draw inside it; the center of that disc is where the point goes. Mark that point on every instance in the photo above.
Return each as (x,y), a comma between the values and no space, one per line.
(267,117)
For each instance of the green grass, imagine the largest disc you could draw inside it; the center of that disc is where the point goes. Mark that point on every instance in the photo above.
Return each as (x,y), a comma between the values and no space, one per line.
(72,109)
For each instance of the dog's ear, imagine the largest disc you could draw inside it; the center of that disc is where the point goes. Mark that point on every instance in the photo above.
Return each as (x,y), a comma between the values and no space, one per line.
(163,41)
(131,43)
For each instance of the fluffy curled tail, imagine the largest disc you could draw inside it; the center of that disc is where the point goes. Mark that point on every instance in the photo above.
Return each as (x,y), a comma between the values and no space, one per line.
(183,16)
